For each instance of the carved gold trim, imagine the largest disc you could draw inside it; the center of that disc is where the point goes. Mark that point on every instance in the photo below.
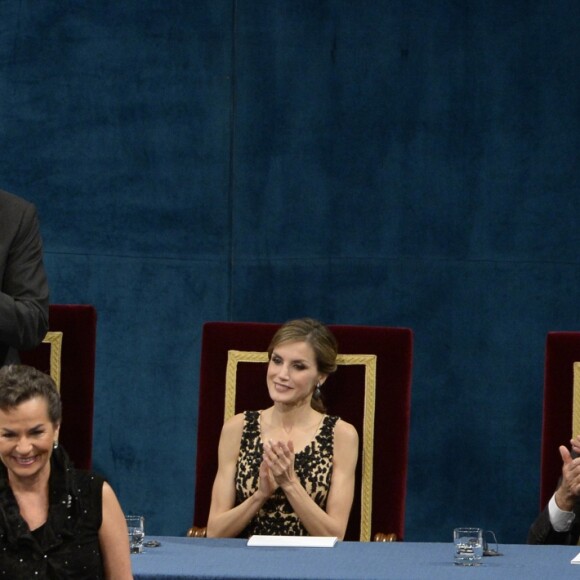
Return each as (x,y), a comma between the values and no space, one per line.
(235,357)
(369,361)
(576,401)
(54,339)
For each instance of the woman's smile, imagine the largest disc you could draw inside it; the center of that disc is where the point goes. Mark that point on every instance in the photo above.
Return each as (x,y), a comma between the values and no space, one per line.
(27,436)
(292,373)
(24,461)
(282,388)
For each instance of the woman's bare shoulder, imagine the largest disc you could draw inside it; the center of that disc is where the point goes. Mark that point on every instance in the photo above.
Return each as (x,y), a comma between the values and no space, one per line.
(345,432)
(233,425)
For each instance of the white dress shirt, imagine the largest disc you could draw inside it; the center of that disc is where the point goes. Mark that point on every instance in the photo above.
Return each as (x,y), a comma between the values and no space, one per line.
(561,520)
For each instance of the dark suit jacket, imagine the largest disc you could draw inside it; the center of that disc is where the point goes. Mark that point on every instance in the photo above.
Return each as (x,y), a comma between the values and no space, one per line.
(542,531)
(23,284)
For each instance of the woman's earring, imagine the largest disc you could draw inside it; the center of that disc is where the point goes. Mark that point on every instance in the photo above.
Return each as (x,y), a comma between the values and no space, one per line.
(317,391)
(55,444)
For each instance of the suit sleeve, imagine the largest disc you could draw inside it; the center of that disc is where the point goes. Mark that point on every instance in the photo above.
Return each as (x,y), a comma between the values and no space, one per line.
(24,292)
(542,531)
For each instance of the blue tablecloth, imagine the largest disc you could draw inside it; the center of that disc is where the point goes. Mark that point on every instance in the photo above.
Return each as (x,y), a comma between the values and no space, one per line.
(179,558)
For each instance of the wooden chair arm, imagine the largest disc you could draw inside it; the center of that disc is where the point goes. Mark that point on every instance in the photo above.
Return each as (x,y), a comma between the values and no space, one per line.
(195,532)
(380,537)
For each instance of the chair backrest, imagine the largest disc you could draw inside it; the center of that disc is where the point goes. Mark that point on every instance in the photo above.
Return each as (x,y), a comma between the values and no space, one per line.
(561,410)
(371,389)
(68,355)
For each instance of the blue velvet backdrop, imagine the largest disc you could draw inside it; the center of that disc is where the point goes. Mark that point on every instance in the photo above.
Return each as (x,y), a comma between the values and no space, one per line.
(403,163)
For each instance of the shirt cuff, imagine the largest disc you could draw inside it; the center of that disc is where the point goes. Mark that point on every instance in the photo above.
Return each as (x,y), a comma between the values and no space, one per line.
(560,519)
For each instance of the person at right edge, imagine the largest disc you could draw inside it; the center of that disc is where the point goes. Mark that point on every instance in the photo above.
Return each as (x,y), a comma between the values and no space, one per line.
(559,522)
(23,284)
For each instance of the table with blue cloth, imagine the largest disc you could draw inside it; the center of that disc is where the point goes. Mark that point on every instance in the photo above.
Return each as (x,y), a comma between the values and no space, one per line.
(183,558)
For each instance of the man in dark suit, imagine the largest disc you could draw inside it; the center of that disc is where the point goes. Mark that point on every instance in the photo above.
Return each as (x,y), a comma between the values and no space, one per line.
(23,284)
(559,523)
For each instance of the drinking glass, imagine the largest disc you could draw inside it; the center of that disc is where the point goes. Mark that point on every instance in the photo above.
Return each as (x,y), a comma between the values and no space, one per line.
(136,527)
(468,546)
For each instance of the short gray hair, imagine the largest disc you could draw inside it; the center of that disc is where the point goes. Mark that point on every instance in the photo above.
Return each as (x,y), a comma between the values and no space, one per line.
(20,383)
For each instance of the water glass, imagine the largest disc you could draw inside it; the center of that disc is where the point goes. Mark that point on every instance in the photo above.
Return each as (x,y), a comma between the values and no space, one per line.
(136,527)
(468,546)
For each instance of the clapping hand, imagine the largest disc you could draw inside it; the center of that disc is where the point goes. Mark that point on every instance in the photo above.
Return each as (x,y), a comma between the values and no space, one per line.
(267,484)
(569,488)
(575,443)
(279,457)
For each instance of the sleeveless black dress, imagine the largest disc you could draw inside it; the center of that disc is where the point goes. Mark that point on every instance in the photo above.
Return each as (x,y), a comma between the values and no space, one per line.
(313,466)
(67,545)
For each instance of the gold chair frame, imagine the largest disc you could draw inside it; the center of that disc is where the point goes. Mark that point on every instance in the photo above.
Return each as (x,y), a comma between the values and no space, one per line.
(369,361)
(576,401)
(54,340)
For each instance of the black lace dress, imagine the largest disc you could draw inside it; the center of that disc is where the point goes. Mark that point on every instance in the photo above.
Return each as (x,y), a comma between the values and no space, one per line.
(313,466)
(67,545)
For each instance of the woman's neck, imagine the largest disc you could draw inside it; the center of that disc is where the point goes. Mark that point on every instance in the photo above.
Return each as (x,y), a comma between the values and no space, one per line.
(31,495)
(288,417)
(37,483)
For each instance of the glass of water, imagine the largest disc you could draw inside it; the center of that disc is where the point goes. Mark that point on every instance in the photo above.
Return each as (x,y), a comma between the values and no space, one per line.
(136,527)
(468,546)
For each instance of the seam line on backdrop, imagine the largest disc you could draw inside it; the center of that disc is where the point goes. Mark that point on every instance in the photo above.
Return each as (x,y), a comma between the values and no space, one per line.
(140,257)
(325,258)
(231,176)
(418,259)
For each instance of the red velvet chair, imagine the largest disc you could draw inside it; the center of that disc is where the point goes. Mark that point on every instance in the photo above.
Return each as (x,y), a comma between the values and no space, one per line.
(371,389)
(68,355)
(561,412)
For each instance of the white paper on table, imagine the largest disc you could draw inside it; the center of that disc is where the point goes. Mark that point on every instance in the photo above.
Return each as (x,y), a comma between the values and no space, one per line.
(293,541)
(576,559)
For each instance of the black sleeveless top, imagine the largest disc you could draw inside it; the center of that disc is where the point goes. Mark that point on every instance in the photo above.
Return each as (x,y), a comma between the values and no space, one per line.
(313,466)
(67,545)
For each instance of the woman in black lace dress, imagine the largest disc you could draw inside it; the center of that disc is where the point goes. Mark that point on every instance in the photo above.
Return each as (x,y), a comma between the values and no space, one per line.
(288,469)
(56,522)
